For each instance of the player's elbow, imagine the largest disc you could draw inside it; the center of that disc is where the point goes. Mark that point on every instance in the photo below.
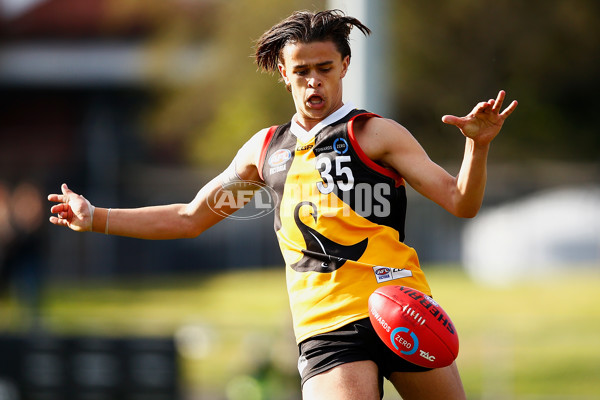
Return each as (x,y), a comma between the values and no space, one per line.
(191,233)
(187,225)
(194,221)
(190,228)
(466,210)
(465,205)
(467,213)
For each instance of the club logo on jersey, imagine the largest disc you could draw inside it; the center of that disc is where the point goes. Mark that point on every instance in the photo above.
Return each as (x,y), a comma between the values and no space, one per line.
(243,200)
(277,161)
(323,254)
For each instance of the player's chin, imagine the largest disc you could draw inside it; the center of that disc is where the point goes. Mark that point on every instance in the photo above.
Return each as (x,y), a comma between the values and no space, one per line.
(315,113)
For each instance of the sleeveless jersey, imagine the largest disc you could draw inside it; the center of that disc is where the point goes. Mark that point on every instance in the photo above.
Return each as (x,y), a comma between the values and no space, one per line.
(339,220)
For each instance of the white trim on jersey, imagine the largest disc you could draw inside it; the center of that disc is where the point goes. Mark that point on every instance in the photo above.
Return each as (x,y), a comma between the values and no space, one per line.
(304,136)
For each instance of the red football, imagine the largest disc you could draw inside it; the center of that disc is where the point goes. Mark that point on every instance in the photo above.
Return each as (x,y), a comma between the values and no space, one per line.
(413,326)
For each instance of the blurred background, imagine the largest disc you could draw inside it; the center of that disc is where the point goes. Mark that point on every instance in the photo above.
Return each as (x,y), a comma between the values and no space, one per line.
(137,103)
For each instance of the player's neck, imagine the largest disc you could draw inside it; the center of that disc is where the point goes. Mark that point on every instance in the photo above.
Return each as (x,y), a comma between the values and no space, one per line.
(307,122)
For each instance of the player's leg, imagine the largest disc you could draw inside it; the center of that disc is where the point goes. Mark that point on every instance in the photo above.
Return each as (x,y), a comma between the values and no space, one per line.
(439,383)
(352,381)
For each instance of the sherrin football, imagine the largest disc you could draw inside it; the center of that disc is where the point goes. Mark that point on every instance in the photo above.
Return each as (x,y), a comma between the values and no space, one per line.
(413,326)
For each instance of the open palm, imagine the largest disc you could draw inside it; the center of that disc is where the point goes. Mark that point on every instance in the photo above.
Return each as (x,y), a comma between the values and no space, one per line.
(485,121)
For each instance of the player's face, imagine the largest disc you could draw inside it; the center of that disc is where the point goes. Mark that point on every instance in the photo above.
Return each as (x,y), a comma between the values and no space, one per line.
(314,72)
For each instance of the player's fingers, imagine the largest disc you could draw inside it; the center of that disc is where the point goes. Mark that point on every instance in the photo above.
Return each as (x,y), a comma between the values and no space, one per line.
(61,198)
(58,221)
(499,100)
(509,109)
(55,197)
(459,122)
(483,107)
(66,192)
(452,120)
(57,208)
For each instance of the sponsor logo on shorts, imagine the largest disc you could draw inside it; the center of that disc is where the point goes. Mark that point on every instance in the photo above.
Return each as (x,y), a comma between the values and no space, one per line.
(385,274)
(302,364)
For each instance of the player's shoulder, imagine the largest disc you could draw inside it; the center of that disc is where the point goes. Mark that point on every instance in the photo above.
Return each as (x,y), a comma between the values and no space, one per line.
(376,125)
(379,136)
(259,137)
(250,155)
(256,142)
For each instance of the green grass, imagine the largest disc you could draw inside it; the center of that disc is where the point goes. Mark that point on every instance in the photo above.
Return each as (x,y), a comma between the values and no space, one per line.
(533,341)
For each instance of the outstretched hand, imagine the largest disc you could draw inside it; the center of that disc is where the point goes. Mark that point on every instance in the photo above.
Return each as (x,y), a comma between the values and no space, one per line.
(74,210)
(485,121)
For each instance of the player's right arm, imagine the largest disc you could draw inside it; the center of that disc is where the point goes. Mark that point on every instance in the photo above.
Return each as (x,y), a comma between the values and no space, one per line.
(172,221)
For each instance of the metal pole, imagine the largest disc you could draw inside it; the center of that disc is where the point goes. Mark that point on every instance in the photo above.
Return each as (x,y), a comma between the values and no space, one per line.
(364,85)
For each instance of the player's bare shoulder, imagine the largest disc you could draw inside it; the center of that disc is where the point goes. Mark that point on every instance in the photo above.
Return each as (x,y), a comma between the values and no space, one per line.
(247,158)
(378,137)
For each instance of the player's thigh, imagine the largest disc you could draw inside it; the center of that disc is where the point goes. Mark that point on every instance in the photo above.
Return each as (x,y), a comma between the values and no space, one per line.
(352,381)
(439,383)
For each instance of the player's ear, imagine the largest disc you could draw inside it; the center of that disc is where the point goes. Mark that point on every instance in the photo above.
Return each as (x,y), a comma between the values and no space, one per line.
(284,76)
(345,65)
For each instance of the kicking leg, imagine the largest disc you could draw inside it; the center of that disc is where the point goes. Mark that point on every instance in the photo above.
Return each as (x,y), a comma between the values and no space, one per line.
(352,381)
(439,383)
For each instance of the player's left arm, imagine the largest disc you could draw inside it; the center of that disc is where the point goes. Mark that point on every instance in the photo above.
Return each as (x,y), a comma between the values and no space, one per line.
(479,127)
(393,146)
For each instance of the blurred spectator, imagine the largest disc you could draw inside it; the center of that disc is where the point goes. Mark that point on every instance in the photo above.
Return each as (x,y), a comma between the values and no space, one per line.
(6,233)
(5,225)
(21,239)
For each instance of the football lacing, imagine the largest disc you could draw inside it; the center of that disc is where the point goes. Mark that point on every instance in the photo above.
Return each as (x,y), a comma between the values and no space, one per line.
(410,312)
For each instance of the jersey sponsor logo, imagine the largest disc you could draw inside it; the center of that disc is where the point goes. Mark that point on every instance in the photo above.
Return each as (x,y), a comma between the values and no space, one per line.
(386,274)
(243,200)
(340,146)
(304,147)
(324,149)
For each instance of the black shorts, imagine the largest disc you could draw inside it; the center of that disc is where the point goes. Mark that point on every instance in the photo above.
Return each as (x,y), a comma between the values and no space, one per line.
(356,341)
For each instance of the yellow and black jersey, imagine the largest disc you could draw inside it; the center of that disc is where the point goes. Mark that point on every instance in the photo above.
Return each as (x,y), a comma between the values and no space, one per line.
(339,220)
